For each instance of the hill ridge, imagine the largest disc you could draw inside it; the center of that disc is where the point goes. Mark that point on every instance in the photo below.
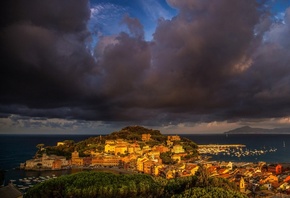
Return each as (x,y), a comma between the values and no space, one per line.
(252,130)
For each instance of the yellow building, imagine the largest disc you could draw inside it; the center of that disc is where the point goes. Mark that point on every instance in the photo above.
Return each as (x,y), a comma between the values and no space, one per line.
(153,154)
(170,174)
(176,158)
(156,169)
(190,169)
(146,137)
(121,150)
(110,148)
(177,149)
(146,148)
(60,144)
(242,185)
(133,148)
(110,142)
(169,143)
(140,163)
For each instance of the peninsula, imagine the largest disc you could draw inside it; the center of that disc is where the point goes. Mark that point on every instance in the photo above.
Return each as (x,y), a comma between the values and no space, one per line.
(250,130)
(133,148)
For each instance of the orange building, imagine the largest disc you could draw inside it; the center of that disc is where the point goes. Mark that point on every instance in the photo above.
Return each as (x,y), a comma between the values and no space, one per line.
(87,161)
(106,161)
(75,159)
(133,148)
(160,148)
(140,163)
(275,169)
(120,150)
(173,138)
(146,137)
(57,164)
(148,167)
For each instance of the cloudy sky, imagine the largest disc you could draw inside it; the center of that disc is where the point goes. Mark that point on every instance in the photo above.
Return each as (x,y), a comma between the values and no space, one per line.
(181,66)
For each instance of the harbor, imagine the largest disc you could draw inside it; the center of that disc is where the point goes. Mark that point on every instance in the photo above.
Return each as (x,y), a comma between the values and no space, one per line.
(232,150)
(24,184)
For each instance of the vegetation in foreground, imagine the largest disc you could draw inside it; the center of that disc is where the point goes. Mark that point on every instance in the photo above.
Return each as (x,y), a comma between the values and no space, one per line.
(101,184)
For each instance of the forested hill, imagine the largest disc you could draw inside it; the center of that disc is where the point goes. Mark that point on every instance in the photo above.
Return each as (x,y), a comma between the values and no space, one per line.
(133,133)
(130,134)
(251,130)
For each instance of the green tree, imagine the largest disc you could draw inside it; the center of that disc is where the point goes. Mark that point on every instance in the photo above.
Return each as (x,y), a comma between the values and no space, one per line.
(40,146)
(166,158)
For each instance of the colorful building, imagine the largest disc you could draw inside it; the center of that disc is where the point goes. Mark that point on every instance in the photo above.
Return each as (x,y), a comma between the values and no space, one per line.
(177,149)
(146,137)
(173,138)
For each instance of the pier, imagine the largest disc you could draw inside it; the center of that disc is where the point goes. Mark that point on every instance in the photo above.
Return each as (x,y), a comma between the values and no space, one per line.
(200,146)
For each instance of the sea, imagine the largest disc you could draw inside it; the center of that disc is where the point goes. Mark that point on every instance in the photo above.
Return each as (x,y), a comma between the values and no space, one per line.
(16,149)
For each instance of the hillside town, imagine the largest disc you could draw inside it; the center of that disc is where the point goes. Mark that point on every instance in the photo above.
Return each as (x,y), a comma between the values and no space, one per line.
(169,159)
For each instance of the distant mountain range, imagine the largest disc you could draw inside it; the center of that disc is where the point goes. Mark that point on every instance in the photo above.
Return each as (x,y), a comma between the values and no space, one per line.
(250,130)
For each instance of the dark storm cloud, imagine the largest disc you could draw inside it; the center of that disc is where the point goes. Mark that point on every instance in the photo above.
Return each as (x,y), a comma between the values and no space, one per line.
(202,47)
(216,60)
(265,85)
(43,55)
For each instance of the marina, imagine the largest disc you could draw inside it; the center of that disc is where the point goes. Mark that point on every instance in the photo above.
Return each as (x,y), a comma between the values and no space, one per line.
(24,184)
(233,150)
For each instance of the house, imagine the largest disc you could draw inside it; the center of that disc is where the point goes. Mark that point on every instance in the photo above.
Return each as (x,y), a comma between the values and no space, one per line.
(270,179)
(156,168)
(57,164)
(87,161)
(109,148)
(146,148)
(60,144)
(146,137)
(177,149)
(47,163)
(160,148)
(75,159)
(121,150)
(110,142)
(242,185)
(134,148)
(148,167)
(169,143)
(173,138)
(33,163)
(170,174)
(140,163)
(287,179)
(105,160)
(192,168)
(223,171)
(275,168)
(153,154)
(176,157)
(10,191)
